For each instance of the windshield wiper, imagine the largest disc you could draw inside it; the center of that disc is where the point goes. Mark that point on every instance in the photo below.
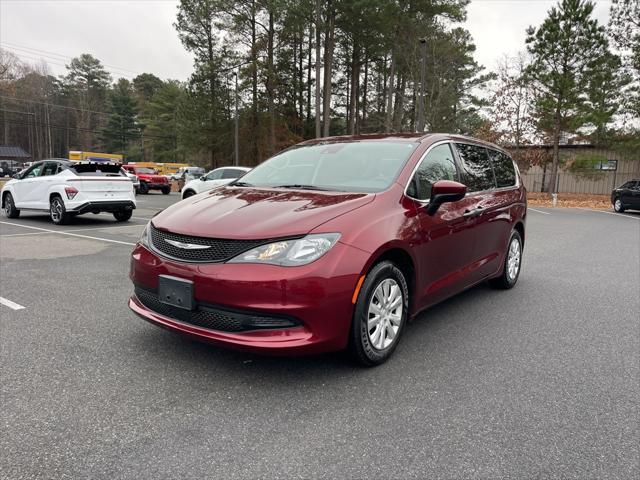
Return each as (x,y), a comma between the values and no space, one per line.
(241,184)
(302,186)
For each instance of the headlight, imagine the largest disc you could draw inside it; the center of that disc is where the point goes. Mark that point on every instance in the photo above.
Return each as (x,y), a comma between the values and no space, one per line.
(144,238)
(290,253)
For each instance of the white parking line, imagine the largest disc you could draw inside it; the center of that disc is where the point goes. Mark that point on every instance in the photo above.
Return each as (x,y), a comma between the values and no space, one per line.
(69,234)
(619,215)
(10,304)
(539,211)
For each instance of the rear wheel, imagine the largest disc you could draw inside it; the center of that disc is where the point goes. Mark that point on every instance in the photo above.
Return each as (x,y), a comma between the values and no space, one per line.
(166,190)
(123,215)
(512,262)
(10,209)
(617,205)
(188,193)
(380,315)
(143,189)
(58,212)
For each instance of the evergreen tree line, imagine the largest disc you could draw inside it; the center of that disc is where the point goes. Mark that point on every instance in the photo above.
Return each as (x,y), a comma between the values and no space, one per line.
(298,69)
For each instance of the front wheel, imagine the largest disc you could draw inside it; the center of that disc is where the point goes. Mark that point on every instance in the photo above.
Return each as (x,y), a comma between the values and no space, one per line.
(123,215)
(617,205)
(511,266)
(166,190)
(10,209)
(58,212)
(380,315)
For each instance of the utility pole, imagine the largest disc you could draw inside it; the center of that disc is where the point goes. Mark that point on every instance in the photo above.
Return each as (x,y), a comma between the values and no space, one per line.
(236,158)
(423,74)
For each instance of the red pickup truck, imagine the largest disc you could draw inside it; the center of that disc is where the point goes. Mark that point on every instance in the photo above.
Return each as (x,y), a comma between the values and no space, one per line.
(149,179)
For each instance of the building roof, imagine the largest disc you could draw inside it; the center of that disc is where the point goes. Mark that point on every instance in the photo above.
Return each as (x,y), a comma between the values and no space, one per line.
(8,152)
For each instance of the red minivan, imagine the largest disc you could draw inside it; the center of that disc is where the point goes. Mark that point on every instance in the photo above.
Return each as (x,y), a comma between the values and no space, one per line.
(334,243)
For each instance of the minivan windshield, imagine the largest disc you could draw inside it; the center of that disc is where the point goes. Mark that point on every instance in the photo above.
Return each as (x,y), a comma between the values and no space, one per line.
(357,166)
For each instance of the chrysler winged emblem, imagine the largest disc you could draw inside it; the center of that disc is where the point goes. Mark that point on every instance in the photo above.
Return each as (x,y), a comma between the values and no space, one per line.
(187,246)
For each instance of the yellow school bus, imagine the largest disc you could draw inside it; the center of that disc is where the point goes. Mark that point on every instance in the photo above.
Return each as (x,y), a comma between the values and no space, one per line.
(79,156)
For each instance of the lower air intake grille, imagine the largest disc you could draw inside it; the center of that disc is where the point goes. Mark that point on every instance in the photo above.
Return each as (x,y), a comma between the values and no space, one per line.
(213,318)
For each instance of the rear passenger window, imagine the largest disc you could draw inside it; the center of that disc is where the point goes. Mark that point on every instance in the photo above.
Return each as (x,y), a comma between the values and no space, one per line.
(503,168)
(231,173)
(478,171)
(437,165)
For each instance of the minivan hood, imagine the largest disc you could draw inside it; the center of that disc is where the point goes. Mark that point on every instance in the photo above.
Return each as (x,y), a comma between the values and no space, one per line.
(251,213)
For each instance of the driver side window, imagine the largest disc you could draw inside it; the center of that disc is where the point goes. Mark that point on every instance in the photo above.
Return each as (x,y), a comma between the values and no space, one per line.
(33,171)
(50,168)
(437,165)
(215,175)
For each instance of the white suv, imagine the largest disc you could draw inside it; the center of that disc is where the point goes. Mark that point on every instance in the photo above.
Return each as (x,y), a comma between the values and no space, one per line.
(215,178)
(65,189)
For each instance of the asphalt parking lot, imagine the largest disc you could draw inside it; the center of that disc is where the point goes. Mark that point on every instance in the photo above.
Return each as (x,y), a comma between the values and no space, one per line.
(537,382)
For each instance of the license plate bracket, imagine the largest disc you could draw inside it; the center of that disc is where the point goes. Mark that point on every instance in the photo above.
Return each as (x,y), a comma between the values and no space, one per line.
(176,292)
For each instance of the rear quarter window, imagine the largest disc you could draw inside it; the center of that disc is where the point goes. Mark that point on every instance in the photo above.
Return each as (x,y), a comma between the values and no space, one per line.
(504,170)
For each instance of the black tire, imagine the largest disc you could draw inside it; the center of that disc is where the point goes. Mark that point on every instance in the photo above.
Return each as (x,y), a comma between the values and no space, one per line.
(361,345)
(143,189)
(617,205)
(166,190)
(188,193)
(10,209)
(506,280)
(57,211)
(123,215)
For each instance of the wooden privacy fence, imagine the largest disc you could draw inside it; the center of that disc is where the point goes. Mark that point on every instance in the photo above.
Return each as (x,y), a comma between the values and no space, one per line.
(598,179)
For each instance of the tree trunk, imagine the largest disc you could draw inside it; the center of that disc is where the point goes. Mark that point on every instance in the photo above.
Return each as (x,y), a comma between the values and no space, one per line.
(388,122)
(254,87)
(360,125)
(398,110)
(270,86)
(309,80)
(556,151)
(328,67)
(353,99)
(318,83)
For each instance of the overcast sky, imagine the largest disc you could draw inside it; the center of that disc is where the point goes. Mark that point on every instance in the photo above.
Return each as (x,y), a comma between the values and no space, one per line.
(135,36)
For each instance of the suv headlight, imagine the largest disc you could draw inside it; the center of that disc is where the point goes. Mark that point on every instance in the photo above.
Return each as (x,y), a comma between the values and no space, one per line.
(290,253)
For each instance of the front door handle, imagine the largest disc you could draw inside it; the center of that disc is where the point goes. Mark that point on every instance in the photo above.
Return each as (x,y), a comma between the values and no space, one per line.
(473,212)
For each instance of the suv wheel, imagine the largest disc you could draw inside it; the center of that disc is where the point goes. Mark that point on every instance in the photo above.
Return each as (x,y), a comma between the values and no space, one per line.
(143,189)
(380,315)
(188,193)
(617,205)
(511,266)
(123,215)
(166,190)
(10,209)
(58,212)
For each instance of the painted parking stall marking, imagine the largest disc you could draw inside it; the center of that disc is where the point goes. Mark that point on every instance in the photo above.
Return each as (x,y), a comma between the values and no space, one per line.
(10,304)
(58,232)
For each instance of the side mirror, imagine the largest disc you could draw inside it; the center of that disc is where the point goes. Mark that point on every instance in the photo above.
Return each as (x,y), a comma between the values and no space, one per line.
(203,179)
(444,191)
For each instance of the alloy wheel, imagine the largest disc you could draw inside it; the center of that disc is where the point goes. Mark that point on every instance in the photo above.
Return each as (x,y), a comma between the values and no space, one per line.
(513,259)
(8,205)
(56,210)
(385,314)
(617,206)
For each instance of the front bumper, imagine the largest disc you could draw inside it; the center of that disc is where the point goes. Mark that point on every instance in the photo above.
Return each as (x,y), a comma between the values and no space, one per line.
(316,296)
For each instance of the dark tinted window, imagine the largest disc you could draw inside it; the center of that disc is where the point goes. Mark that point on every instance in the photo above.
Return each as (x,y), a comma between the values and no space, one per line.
(50,168)
(503,168)
(96,169)
(231,173)
(437,165)
(478,172)
(628,184)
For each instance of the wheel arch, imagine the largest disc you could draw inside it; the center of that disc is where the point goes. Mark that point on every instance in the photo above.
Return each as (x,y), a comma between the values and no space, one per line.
(519,227)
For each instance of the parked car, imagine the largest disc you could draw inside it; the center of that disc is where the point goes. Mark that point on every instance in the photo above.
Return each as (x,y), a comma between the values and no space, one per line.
(66,189)
(335,243)
(626,196)
(133,178)
(187,173)
(149,179)
(215,178)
